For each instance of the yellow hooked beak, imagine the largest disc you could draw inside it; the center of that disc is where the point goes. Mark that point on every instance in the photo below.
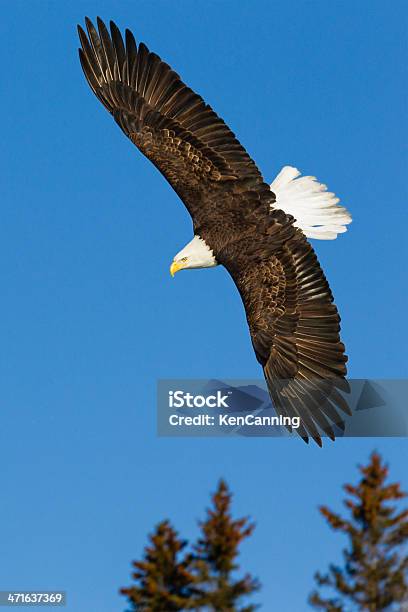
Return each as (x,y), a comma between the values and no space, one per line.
(175,267)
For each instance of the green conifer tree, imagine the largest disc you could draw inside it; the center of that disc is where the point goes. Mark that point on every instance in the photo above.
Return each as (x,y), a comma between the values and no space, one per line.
(164,582)
(216,555)
(170,577)
(374,576)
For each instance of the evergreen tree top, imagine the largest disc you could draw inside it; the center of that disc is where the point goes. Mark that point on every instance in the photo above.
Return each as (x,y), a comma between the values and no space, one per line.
(374,576)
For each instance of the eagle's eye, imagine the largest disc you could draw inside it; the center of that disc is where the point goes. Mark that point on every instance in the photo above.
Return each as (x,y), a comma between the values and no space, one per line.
(184,259)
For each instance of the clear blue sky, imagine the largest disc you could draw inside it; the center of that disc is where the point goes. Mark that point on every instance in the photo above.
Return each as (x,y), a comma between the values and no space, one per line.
(90,317)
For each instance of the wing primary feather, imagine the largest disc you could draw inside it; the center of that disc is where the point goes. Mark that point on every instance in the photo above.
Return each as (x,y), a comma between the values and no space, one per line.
(315,411)
(89,55)
(142,60)
(86,67)
(118,45)
(132,57)
(107,49)
(96,46)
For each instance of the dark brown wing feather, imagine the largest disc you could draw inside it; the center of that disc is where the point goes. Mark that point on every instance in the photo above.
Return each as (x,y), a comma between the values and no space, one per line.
(293,323)
(294,326)
(192,147)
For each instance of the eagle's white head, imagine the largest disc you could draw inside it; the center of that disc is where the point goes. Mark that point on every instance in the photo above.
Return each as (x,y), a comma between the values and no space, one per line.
(196,254)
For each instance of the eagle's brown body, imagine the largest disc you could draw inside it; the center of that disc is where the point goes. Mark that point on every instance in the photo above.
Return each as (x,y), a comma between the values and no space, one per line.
(293,322)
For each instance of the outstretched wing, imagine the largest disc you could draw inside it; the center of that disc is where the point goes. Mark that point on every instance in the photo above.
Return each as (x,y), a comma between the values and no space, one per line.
(190,145)
(294,327)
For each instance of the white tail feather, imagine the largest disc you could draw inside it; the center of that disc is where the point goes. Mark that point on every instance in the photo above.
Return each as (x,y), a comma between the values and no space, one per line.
(315,209)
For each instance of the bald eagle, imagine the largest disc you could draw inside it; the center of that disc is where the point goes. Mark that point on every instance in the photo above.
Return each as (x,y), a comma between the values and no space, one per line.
(258,232)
